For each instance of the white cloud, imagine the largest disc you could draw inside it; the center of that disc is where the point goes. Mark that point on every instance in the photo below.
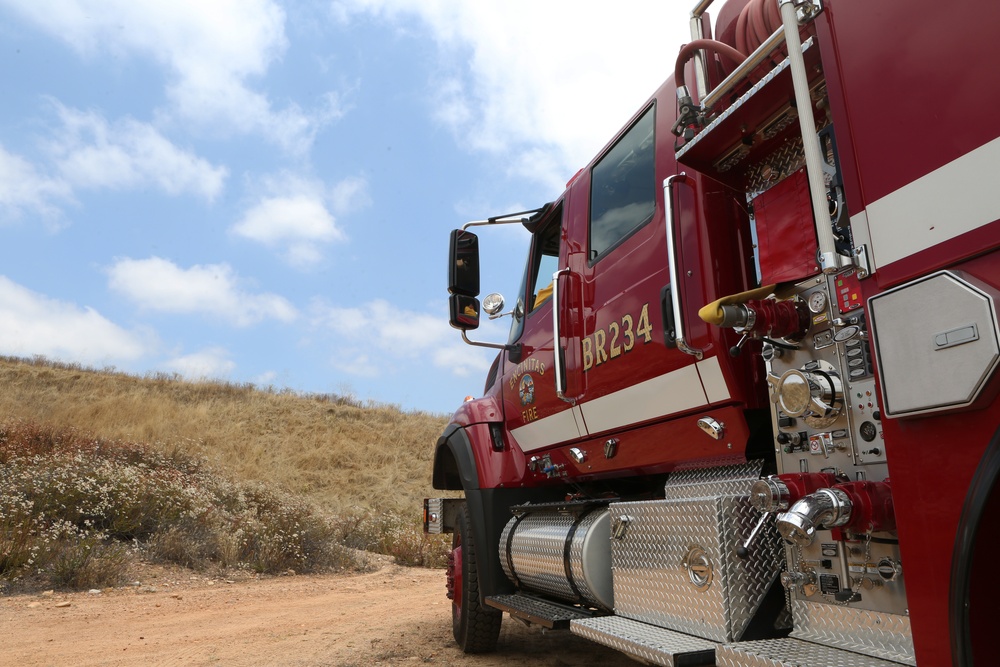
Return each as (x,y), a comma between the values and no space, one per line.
(559,77)
(355,362)
(266,379)
(373,339)
(92,153)
(297,223)
(211,289)
(210,50)
(24,190)
(294,215)
(34,324)
(350,194)
(210,364)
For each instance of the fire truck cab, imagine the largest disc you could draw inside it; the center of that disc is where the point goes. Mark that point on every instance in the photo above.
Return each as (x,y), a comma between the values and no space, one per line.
(747,410)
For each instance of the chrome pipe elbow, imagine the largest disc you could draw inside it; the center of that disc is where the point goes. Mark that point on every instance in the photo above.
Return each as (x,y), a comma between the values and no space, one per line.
(824,509)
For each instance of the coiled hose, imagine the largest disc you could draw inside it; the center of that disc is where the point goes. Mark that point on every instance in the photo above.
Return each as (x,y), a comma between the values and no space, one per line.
(756,22)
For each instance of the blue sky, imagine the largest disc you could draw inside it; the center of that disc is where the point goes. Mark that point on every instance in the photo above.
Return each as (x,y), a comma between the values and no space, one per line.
(261,190)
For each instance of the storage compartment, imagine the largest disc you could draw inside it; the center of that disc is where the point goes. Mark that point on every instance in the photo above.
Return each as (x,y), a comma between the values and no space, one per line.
(676,565)
(941,346)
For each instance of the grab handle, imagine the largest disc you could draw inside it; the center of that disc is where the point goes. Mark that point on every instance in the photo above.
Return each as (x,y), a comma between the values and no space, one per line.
(557,351)
(675,285)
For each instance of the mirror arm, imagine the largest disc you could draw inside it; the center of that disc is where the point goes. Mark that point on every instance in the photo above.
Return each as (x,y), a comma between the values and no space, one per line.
(518,218)
(495,346)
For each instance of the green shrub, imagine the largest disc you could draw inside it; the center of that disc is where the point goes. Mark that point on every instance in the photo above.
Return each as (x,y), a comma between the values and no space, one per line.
(401,537)
(75,511)
(88,562)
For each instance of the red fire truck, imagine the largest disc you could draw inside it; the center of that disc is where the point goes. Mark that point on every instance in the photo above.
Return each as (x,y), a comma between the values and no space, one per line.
(747,411)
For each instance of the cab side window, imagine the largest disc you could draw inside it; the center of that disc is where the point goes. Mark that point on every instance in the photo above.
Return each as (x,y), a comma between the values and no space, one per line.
(623,188)
(546,262)
(543,261)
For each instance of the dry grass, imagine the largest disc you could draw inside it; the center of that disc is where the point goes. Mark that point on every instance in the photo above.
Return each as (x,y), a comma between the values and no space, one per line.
(184,472)
(334,451)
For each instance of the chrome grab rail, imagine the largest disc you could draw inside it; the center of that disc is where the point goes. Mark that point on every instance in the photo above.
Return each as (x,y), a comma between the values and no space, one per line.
(760,54)
(700,57)
(556,347)
(810,140)
(675,284)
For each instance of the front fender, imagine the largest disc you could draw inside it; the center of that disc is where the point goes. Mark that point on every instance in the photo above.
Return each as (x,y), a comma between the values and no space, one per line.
(454,463)
(456,469)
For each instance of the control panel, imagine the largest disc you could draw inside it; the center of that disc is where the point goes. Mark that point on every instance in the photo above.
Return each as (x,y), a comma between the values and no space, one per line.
(831,495)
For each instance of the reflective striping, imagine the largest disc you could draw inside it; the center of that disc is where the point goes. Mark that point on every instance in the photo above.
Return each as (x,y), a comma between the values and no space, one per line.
(713,381)
(949,201)
(683,389)
(560,427)
(661,396)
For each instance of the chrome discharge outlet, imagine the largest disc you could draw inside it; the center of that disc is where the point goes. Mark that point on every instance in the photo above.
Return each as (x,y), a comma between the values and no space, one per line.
(824,509)
(770,494)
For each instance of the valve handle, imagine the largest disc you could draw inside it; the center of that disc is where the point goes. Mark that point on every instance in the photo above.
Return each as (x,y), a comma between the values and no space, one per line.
(743,550)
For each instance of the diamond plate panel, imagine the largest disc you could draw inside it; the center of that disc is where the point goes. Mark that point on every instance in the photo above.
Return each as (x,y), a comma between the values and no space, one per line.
(653,645)
(780,164)
(870,632)
(652,584)
(788,652)
(533,608)
(731,480)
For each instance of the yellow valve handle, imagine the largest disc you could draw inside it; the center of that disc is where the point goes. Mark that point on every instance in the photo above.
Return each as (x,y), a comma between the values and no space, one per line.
(712,313)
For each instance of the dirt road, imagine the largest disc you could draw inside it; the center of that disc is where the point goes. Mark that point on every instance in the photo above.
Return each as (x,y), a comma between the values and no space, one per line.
(395,616)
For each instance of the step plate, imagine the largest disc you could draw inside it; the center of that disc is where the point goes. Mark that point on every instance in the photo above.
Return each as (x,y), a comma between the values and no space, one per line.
(656,646)
(539,612)
(792,653)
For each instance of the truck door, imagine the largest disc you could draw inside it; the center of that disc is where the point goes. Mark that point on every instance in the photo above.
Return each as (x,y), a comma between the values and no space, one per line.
(631,376)
(536,416)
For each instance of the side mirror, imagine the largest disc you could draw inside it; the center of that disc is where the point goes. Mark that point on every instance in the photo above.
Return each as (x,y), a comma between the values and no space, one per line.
(463,312)
(463,265)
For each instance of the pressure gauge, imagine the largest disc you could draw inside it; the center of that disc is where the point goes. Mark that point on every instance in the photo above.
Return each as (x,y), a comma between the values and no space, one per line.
(817,302)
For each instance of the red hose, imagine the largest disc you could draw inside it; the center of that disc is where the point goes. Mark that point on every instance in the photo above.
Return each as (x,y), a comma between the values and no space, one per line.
(773,15)
(741,30)
(720,48)
(757,21)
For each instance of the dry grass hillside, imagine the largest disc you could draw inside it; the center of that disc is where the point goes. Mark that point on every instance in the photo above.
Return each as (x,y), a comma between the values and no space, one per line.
(101,471)
(331,450)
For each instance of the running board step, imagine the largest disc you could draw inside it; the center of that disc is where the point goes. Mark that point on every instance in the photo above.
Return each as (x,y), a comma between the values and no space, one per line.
(645,642)
(539,612)
(788,652)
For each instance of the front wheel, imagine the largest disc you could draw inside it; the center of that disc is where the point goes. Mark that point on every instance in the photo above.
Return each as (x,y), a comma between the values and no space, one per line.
(476,626)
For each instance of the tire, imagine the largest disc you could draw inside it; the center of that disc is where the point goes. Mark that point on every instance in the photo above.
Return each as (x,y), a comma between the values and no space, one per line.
(476,627)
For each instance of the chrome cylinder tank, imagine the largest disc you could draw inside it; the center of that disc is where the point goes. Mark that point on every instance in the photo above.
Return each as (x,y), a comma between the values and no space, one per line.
(566,555)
